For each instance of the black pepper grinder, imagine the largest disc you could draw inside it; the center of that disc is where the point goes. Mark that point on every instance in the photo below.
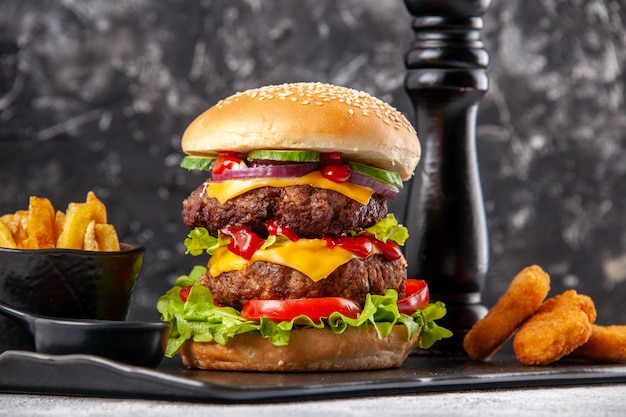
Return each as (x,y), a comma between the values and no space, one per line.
(446,79)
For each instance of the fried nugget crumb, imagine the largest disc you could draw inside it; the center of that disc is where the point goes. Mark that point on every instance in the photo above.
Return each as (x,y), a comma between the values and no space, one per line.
(562,324)
(523,297)
(606,344)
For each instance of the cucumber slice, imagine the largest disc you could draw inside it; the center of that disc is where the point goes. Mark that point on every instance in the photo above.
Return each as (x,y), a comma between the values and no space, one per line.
(200,163)
(284,155)
(383,175)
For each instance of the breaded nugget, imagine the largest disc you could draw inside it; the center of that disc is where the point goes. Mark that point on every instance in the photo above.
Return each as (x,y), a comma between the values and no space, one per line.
(525,294)
(559,326)
(606,344)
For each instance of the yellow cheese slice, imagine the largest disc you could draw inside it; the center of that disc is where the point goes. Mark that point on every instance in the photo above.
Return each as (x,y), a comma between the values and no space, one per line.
(312,257)
(225,190)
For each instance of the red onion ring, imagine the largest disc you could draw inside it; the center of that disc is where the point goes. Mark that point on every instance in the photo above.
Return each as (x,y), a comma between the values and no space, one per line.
(261,171)
(301,169)
(386,190)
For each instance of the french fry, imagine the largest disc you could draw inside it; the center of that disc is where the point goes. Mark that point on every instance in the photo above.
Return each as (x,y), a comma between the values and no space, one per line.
(6,237)
(40,223)
(77,218)
(90,242)
(99,209)
(107,237)
(18,228)
(30,242)
(7,219)
(81,226)
(59,220)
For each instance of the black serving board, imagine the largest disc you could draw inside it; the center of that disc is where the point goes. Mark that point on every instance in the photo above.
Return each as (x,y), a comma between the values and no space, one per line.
(83,375)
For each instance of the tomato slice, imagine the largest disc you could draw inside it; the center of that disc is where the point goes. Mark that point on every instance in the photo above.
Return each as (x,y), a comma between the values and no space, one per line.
(184,293)
(417,296)
(285,310)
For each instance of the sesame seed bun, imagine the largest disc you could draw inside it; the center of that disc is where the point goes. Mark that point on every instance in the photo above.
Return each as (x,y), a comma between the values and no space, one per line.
(310,116)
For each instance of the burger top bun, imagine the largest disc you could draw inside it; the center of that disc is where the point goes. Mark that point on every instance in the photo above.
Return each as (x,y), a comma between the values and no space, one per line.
(313,116)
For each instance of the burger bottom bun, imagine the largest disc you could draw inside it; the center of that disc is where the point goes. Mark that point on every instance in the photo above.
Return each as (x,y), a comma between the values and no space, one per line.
(308,350)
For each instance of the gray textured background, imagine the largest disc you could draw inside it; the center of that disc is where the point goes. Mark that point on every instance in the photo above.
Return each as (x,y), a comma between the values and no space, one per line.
(95,94)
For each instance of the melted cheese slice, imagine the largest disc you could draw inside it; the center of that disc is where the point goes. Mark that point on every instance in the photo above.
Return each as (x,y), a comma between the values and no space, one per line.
(225,190)
(312,257)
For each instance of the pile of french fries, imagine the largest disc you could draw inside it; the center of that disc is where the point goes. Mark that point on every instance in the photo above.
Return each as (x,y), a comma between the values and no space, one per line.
(82,226)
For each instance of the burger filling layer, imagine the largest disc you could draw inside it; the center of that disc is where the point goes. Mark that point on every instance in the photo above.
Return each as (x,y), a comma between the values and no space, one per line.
(310,212)
(294,230)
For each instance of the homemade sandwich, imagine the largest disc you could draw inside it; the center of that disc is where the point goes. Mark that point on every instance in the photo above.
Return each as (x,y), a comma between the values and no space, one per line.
(306,271)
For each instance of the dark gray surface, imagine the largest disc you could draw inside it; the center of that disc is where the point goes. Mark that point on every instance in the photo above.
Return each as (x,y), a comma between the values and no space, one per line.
(85,375)
(96,94)
(573,402)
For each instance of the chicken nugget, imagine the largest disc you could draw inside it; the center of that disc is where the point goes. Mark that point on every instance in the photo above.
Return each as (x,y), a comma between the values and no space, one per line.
(525,294)
(606,344)
(559,326)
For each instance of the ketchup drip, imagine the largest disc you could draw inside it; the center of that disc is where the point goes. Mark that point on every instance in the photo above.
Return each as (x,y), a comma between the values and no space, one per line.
(362,246)
(244,242)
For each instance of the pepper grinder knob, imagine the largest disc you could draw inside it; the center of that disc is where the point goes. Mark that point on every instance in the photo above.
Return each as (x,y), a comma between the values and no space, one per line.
(446,79)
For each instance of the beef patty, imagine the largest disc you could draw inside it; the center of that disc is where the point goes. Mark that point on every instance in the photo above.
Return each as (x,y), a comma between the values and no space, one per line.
(308,211)
(265,281)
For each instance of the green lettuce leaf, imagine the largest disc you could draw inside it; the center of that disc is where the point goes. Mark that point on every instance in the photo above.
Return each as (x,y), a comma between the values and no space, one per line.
(201,320)
(389,229)
(199,241)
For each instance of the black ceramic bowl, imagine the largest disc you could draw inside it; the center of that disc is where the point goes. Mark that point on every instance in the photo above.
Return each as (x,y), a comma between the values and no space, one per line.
(65,283)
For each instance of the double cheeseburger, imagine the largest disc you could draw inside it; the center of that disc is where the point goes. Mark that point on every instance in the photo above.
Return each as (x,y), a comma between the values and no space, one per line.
(306,272)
